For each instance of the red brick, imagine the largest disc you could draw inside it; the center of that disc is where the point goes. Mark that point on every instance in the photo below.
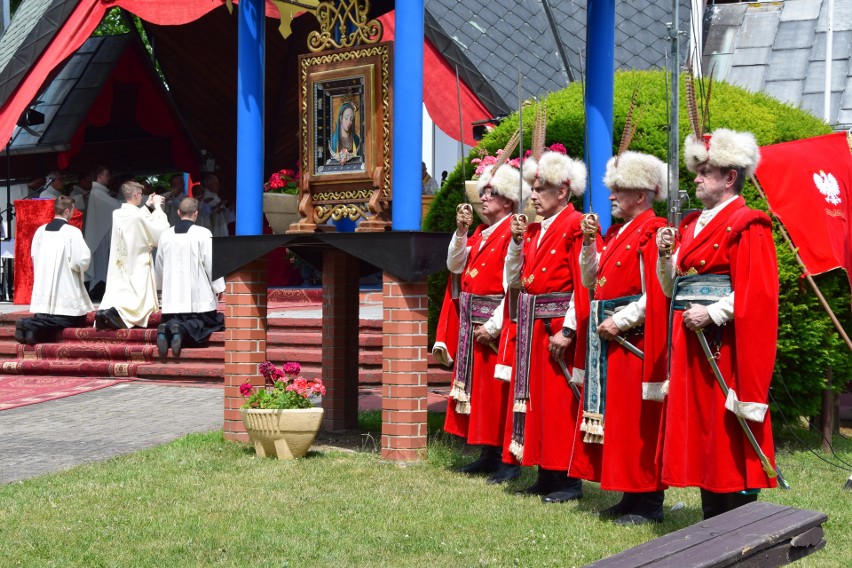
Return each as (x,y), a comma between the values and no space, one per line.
(404,442)
(402,404)
(392,454)
(237,334)
(405,366)
(405,429)
(399,391)
(404,417)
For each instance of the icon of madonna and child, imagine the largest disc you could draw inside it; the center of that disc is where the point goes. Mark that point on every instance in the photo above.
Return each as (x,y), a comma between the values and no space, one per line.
(344,146)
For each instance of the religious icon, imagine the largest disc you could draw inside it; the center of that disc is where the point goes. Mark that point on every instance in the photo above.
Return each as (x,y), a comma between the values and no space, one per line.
(340,126)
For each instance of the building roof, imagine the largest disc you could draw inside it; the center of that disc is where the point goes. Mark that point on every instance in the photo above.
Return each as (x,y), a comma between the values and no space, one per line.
(496,36)
(779,48)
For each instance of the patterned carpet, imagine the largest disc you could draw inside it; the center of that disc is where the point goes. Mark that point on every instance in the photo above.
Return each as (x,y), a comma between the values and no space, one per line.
(22,391)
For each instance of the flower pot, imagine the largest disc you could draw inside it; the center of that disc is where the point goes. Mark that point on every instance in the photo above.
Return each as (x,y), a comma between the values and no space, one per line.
(280,210)
(284,433)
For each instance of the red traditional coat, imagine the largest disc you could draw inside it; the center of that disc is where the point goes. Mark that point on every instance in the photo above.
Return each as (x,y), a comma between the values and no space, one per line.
(703,444)
(483,276)
(631,424)
(552,438)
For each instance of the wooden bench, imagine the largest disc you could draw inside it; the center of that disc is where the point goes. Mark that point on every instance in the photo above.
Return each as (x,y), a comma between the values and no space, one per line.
(758,534)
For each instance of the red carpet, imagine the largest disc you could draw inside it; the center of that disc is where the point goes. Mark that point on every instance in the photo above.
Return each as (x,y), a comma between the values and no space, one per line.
(22,391)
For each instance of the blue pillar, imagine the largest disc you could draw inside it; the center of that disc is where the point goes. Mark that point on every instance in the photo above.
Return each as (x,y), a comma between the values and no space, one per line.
(250,94)
(600,70)
(407,115)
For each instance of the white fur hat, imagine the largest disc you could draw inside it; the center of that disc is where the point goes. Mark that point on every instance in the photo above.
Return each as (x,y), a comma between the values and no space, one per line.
(504,182)
(724,149)
(635,170)
(555,168)
(484,178)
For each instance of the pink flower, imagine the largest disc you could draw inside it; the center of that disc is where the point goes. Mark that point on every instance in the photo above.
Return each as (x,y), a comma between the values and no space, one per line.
(246,389)
(557,147)
(317,387)
(292,368)
(266,369)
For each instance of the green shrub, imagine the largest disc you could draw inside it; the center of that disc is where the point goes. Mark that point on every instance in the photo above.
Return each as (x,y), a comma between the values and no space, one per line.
(807,342)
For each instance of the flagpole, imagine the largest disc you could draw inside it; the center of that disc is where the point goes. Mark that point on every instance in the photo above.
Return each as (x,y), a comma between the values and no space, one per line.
(806,274)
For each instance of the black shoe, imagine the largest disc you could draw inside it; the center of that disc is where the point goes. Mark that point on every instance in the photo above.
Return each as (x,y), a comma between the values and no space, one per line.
(568,489)
(19,332)
(506,472)
(114,320)
(626,505)
(100,321)
(30,337)
(635,519)
(177,338)
(488,462)
(162,340)
(545,483)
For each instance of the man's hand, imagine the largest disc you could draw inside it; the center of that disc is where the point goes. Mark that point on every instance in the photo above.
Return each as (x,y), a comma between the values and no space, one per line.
(607,329)
(665,240)
(559,344)
(482,336)
(518,226)
(464,218)
(696,317)
(155,201)
(589,228)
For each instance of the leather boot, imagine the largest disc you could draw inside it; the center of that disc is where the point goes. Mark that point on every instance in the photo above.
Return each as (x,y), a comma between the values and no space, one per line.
(648,509)
(487,462)
(628,501)
(567,489)
(505,473)
(545,483)
(713,504)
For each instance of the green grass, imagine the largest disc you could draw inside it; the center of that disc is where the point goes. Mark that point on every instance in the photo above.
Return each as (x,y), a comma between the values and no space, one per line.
(201,501)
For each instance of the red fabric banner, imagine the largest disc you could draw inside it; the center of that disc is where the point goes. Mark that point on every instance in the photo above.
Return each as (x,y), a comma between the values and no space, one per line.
(809,184)
(440,94)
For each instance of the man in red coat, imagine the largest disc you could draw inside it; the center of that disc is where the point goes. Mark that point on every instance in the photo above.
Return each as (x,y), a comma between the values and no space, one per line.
(723,279)
(543,261)
(478,401)
(622,407)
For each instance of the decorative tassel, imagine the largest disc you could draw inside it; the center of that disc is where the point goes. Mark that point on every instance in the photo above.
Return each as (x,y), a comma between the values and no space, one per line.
(462,407)
(592,425)
(458,393)
(517,450)
(520,406)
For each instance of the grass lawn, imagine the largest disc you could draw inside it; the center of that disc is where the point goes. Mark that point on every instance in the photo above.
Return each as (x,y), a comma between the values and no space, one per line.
(201,501)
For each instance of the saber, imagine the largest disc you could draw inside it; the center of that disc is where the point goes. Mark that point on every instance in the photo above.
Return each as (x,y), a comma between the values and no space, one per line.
(629,346)
(772,472)
(574,388)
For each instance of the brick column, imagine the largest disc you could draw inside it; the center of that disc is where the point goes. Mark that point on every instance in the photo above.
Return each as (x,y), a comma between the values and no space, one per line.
(404,370)
(340,323)
(245,339)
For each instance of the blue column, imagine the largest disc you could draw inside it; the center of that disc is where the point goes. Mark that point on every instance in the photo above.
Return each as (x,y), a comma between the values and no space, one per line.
(250,94)
(407,115)
(600,70)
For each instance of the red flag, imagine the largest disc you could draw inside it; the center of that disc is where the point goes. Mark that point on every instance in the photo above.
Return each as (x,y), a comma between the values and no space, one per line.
(809,185)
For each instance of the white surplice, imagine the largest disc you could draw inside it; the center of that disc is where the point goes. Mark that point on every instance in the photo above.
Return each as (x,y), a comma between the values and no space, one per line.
(97,225)
(59,260)
(130,286)
(184,271)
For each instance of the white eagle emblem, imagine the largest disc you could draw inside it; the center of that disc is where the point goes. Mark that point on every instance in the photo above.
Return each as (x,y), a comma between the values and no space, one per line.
(827,185)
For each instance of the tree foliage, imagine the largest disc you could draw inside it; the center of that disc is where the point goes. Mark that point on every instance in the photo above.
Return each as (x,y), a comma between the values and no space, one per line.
(807,342)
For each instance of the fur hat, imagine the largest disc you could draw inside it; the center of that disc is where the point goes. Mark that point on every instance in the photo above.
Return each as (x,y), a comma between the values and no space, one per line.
(555,168)
(635,170)
(504,182)
(724,149)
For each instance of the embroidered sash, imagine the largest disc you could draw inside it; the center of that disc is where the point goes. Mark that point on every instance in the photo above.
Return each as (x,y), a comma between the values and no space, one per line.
(473,310)
(594,392)
(530,308)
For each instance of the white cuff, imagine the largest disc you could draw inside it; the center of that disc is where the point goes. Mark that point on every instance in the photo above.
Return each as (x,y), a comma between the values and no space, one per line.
(440,353)
(655,391)
(491,328)
(578,376)
(503,373)
(753,411)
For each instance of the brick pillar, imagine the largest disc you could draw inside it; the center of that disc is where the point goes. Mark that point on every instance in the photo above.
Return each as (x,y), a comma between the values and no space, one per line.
(404,370)
(245,339)
(340,323)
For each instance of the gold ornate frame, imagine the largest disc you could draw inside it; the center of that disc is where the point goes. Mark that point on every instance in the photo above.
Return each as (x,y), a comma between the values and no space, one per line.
(362,190)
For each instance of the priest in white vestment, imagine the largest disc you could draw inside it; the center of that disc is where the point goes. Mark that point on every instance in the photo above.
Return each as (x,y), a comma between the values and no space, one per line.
(211,214)
(53,185)
(97,225)
(59,298)
(184,269)
(131,293)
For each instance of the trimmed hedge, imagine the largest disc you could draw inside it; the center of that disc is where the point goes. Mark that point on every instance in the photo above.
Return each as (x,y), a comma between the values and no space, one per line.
(808,345)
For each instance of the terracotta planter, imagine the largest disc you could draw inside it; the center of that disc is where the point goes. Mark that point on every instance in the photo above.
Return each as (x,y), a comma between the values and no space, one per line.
(285,434)
(280,210)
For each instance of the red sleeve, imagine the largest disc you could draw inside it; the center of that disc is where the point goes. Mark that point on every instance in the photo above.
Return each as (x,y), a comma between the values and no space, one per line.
(754,278)
(656,307)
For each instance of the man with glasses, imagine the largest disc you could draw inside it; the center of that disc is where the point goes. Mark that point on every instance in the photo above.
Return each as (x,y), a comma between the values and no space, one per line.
(478,401)
(131,294)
